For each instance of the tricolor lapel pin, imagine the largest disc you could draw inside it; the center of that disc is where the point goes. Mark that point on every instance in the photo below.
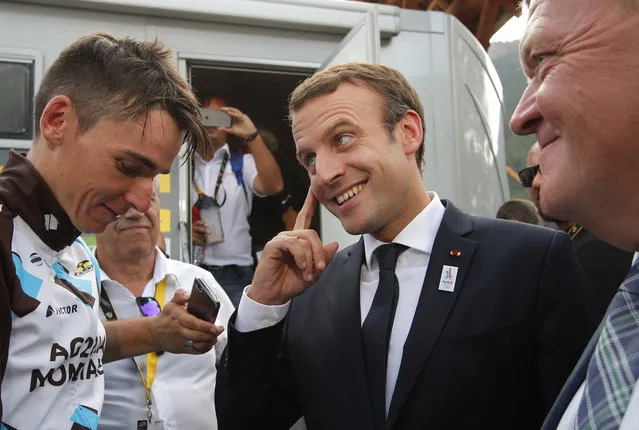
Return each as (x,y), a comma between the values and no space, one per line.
(455,253)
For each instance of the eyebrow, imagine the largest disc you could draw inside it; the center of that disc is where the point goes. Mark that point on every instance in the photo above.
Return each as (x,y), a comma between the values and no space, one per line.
(135,157)
(326,133)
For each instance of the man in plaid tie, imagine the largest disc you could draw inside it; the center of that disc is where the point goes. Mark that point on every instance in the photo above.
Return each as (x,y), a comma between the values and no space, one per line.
(582,102)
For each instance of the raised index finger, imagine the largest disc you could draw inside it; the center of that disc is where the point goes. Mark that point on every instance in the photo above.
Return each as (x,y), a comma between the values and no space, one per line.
(304,217)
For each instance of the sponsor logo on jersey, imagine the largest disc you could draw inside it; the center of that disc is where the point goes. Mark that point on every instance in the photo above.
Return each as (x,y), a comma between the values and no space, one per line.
(79,361)
(62,310)
(83,267)
(36,259)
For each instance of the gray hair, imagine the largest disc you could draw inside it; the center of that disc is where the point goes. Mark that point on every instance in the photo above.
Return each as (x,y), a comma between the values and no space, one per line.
(156,185)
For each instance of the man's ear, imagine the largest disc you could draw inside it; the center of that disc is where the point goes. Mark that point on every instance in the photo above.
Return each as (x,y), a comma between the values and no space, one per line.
(410,132)
(57,119)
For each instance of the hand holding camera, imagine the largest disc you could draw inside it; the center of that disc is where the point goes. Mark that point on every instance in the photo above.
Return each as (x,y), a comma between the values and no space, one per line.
(229,120)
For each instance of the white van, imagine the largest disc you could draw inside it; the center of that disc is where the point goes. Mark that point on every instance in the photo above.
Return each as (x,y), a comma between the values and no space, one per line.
(257,51)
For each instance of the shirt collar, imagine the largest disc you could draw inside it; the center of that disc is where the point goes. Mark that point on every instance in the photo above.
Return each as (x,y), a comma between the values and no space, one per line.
(24,191)
(160,269)
(219,154)
(419,234)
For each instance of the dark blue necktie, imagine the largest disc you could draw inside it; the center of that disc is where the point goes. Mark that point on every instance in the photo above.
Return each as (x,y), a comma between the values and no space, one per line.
(614,365)
(377,327)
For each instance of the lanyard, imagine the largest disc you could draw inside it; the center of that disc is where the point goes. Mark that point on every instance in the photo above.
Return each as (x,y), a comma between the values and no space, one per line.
(220,175)
(151,357)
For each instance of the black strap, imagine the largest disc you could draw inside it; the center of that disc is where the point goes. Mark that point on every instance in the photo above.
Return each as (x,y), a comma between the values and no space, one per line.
(221,175)
(107,307)
(250,137)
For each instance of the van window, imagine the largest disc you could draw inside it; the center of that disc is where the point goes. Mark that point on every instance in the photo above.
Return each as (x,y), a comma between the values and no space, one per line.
(16,103)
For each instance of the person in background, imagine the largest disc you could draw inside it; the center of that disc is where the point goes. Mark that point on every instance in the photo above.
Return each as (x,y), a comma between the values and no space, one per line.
(582,102)
(229,186)
(272,214)
(138,277)
(519,210)
(605,265)
(532,181)
(101,136)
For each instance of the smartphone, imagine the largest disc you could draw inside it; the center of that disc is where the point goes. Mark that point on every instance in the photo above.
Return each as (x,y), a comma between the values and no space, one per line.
(203,303)
(215,118)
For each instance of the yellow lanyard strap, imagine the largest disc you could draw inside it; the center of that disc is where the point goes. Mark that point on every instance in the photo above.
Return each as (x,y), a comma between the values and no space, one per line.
(152,357)
(197,189)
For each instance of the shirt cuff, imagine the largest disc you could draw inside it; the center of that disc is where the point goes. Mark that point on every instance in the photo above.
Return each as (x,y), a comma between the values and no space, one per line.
(252,315)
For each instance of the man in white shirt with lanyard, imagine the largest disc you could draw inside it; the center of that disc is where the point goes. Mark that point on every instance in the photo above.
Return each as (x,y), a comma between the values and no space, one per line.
(229,259)
(582,102)
(153,391)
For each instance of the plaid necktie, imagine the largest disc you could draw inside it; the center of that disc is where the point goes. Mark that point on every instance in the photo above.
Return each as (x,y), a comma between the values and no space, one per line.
(614,365)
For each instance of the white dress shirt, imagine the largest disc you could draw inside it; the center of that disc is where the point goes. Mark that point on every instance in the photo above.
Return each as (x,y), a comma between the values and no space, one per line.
(418,236)
(183,390)
(236,247)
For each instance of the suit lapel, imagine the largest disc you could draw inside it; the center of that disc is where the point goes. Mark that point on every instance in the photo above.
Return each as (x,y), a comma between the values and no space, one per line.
(450,249)
(570,388)
(349,328)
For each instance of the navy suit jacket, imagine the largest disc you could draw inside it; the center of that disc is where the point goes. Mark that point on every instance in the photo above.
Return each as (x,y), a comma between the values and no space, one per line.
(493,354)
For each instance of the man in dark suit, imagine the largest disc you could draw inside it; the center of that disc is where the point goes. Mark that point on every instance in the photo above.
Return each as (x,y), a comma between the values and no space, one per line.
(580,58)
(434,319)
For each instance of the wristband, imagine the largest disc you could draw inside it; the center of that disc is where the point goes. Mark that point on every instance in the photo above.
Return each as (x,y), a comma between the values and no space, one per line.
(251,137)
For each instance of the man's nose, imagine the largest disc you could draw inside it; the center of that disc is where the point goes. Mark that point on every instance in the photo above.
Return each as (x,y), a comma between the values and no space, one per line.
(328,168)
(139,196)
(526,117)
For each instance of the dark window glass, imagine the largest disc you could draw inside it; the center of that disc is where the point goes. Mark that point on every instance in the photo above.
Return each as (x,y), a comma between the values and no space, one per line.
(16,100)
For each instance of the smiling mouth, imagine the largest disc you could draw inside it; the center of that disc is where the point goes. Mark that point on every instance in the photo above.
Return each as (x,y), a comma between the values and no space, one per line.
(349,194)
(543,144)
(135,227)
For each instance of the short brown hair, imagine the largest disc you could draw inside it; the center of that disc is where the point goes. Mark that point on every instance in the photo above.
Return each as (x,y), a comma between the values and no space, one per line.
(520,210)
(398,95)
(121,78)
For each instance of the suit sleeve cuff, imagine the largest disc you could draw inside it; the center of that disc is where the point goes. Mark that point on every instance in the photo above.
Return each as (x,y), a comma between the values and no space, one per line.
(252,315)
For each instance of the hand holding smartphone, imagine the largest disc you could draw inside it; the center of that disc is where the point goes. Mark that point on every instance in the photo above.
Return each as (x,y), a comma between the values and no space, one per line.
(203,303)
(214,118)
